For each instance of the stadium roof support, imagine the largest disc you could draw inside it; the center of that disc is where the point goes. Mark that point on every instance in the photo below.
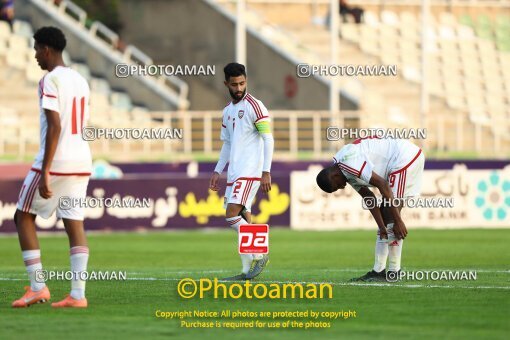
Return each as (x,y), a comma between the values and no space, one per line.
(424,95)
(241,32)
(334,100)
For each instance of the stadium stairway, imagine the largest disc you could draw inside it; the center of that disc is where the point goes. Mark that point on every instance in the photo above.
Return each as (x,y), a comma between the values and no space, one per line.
(98,48)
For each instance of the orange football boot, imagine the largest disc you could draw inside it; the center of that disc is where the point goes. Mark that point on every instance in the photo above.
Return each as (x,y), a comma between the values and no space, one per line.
(69,301)
(32,297)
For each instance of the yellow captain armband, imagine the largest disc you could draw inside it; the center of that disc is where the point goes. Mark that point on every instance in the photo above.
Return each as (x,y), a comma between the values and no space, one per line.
(263,127)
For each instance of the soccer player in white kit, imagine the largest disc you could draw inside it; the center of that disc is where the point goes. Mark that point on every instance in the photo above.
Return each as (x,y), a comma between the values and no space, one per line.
(395,167)
(248,148)
(61,169)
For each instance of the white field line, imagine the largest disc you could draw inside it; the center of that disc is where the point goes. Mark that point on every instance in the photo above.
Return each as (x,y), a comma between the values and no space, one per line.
(507,271)
(337,283)
(346,270)
(415,285)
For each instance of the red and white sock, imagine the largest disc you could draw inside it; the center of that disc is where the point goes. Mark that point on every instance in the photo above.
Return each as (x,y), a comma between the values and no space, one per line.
(32,259)
(246,259)
(79,260)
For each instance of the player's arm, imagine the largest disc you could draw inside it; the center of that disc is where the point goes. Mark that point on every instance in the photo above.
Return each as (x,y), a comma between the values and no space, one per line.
(52,136)
(380,183)
(222,162)
(223,159)
(264,129)
(375,211)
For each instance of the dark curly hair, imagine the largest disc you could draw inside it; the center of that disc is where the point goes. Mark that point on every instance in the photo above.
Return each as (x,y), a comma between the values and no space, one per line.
(234,70)
(51,37)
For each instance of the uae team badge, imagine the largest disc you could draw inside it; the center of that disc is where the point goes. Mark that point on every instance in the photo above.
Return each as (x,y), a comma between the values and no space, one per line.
(240,114)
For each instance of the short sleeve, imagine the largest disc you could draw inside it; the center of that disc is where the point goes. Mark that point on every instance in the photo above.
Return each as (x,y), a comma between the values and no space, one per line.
(366,171)
(49,95)
(259,116)
(258,112)
(360,168)
(354,164)
(263,115)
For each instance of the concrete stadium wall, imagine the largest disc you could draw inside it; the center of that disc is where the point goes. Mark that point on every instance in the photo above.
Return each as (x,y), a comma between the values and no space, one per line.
(192,32)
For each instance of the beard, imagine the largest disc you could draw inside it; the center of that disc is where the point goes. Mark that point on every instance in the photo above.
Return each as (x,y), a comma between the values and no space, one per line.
(42,65)
(237,95)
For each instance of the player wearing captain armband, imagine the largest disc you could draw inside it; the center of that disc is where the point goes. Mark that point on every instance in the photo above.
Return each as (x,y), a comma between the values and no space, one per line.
(248,148)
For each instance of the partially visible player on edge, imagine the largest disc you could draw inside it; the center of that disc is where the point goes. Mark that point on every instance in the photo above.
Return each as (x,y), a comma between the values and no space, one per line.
(61,168)
(393,166)
(248,147)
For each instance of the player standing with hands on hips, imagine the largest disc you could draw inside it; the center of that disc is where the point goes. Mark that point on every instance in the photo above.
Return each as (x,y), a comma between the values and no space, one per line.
(395,167)
(61,169)
(248,148)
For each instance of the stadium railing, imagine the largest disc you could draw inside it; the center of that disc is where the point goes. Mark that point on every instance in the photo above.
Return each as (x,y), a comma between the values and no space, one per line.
(298,135)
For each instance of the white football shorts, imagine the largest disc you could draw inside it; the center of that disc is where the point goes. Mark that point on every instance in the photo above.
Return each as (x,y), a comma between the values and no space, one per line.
(406,182)
(242,192)
(30,201)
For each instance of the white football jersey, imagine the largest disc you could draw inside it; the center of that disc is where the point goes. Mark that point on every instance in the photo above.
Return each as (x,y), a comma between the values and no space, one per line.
(382,156)
(246,144)
(65,91)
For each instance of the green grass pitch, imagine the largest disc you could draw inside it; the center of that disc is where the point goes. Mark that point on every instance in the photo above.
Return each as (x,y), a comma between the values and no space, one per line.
(154,263)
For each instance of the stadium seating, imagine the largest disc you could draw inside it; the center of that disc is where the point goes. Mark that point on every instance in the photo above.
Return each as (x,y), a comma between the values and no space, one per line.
(467,74)
(497,30)
(18,89)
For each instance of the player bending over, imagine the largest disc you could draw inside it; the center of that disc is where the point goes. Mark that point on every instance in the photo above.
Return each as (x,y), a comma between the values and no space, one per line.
(393,166)
(248,147)
(61,168)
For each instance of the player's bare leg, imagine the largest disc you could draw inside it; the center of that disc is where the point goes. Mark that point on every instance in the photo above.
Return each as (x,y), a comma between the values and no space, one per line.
(25,225)
(246,215)
(234,210)
(37,292)
(79,254)
(75,233)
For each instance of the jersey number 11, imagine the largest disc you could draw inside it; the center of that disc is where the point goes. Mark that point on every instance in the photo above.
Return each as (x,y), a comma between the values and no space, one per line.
(74,121)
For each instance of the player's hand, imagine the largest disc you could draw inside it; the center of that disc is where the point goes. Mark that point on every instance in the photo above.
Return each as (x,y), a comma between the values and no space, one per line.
(383,234)
(265,182)
(44,186)
(213,183)
(400,230)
